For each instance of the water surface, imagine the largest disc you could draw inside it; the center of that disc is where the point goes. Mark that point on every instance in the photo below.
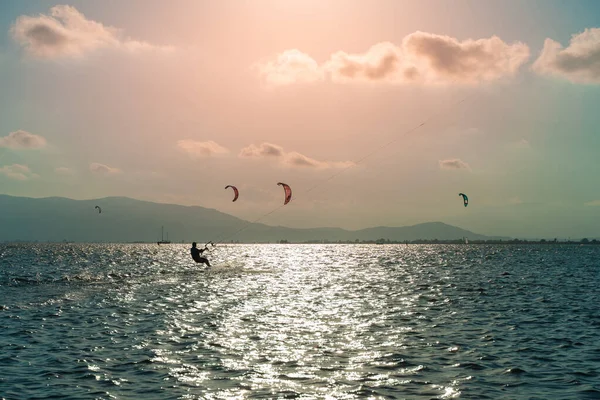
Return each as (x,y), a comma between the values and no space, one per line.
(300,321)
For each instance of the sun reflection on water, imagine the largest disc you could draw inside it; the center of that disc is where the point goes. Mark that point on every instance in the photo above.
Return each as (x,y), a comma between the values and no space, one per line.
(313,321)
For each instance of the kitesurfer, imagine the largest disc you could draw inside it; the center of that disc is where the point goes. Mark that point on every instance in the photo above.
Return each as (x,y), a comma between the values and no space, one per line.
(197,254)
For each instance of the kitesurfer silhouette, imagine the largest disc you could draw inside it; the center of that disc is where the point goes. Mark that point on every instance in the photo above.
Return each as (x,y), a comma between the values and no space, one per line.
(197,254)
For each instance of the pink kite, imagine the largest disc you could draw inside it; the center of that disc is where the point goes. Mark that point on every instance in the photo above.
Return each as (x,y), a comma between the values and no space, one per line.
(288,192)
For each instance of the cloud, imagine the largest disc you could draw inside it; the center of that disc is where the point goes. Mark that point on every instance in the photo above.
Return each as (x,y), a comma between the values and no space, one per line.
(295,159)
(264,150)
(421,58)
(291,66)
(454,163)
(289,159)
(578,63)
(381,62)
(593,203)
(22,140)
(469,61)
(65,32)
(64,171)
(17,172)
(201,149)
(102,169)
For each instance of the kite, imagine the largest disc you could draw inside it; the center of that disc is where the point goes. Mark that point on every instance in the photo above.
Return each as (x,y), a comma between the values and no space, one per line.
(465,198)
(288,192)
(234,191)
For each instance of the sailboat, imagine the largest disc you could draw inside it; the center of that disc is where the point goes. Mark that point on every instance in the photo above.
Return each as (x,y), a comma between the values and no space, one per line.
(162,238)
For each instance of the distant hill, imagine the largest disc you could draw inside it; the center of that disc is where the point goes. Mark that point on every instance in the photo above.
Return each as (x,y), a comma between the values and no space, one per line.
(128,220)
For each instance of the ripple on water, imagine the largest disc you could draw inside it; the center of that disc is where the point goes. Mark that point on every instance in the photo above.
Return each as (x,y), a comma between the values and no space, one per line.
(287,321)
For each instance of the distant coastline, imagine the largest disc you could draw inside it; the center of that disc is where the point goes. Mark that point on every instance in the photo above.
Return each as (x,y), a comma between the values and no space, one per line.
(126,220)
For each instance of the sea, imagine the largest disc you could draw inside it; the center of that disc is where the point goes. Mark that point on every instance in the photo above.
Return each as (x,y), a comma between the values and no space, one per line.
(284,321)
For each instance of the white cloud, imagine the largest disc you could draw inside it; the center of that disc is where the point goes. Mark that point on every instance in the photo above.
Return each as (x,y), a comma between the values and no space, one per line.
(291,66)
(422,58)
(22,140)
(65,32)
(381,62)
(288,159)
(102,169)
(264,150)
(18,172)
(201,149)
(295,159)
(579,62)
(454,163)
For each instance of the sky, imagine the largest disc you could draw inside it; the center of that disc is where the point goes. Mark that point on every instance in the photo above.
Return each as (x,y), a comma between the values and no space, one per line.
(375,113)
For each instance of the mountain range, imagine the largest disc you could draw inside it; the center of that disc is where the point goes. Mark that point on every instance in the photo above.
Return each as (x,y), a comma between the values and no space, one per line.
(123,219)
